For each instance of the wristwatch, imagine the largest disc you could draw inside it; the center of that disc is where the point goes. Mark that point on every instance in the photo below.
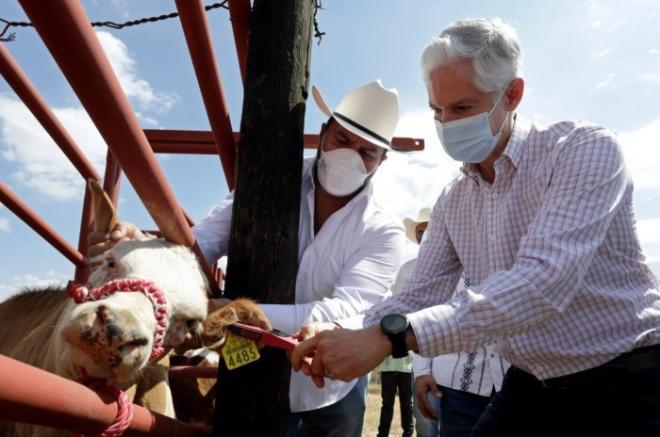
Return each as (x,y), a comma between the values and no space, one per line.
(394,326)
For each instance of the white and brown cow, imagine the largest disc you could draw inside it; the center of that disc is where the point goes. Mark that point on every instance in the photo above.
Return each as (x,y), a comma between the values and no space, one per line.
(111,338)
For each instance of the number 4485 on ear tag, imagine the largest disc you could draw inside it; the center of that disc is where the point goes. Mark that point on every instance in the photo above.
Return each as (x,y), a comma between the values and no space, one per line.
(239,351)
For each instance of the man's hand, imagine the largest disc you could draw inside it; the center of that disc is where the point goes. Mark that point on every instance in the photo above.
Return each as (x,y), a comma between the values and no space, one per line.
(100,242)
(342,354)
(423,385)
(311,329)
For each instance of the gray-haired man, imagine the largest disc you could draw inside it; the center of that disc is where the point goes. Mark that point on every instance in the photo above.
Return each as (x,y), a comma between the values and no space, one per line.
(541,219)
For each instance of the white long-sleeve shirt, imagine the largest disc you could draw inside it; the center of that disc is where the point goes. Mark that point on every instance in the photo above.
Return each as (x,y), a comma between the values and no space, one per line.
(343,270)
(559,277)
(476,372)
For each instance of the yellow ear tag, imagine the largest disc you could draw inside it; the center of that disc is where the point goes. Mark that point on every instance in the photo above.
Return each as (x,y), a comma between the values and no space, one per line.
(238,351)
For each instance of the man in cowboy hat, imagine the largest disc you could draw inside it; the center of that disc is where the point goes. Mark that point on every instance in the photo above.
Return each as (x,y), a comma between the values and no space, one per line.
(349,248)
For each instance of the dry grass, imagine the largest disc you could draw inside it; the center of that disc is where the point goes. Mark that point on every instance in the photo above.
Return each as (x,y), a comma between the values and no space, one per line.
(372,415)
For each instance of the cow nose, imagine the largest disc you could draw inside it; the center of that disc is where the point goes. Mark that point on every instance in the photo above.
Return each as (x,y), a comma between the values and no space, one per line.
(129,346)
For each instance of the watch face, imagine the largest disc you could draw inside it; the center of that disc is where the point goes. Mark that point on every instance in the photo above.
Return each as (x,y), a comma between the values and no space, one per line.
(395,323)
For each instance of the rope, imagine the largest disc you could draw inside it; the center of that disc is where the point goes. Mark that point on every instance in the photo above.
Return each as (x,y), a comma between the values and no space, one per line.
(124,406)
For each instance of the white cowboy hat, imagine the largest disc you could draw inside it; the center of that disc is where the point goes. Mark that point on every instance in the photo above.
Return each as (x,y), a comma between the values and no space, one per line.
(411,224)
(371,112)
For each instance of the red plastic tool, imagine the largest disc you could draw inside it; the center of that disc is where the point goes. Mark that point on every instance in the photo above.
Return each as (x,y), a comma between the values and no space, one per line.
(265,338)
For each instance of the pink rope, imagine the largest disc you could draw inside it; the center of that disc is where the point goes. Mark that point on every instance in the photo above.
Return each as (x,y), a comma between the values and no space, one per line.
(80,293)
(124,406)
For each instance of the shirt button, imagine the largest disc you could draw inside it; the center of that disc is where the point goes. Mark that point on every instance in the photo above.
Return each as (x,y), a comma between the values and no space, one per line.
(494,195)
(492,355)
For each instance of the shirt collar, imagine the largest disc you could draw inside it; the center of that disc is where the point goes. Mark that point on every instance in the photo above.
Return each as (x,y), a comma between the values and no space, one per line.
(515,147)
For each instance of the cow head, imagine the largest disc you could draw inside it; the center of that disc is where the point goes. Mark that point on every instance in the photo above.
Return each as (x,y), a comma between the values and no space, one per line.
(113,337)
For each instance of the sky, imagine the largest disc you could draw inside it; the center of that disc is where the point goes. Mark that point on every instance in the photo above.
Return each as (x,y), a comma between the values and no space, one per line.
(592,60)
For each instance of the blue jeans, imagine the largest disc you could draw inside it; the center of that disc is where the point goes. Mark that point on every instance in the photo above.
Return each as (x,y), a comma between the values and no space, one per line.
(460,411)
(341,419)
(424,426)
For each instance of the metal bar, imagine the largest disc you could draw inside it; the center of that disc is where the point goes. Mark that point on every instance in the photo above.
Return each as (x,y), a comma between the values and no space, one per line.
(203,142)
(81,57)
(32,395)
(26,91)
(239,14)
(196,372)
(39,225)
(198,37)
(86,224)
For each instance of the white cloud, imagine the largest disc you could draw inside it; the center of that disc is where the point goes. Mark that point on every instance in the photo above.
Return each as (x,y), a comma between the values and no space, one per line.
(603,83)
(19,282)
(642,151)
(602,53)
(649,237)
(654,51)
(39,162)
(125,68)
(649,77)
(5,226)
(409,181)
(602,15)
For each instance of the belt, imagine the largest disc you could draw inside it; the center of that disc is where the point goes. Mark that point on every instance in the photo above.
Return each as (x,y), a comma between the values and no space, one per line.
(639,359)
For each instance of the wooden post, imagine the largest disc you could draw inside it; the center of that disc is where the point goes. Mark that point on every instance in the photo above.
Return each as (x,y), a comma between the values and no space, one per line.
(263,252)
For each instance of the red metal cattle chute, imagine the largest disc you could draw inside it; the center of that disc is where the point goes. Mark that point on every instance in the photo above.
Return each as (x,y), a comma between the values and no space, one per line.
(130,149)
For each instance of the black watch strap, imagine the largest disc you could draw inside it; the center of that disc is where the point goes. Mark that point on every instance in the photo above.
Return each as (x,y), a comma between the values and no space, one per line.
(399,349)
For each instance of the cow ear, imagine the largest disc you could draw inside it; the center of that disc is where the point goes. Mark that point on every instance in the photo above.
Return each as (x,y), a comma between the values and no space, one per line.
(105,214)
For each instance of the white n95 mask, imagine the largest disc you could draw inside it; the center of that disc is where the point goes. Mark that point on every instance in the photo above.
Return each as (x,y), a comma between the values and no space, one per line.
(341,171)
(469,139)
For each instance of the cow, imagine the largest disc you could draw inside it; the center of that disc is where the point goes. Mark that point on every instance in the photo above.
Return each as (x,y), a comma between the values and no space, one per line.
(112,338)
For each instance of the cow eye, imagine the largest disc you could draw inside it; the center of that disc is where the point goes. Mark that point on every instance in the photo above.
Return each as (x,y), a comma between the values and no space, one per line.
(111,263)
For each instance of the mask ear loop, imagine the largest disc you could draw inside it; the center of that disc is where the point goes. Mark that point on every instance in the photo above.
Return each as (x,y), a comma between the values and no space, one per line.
(497,102)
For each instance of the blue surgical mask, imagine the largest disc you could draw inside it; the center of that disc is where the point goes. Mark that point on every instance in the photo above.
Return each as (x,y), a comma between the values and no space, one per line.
(469,139)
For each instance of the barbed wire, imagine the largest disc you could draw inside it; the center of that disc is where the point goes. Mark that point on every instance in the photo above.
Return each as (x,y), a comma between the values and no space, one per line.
(317,33)
(111,24)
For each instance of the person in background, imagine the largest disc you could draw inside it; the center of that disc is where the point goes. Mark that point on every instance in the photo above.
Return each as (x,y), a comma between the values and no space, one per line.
(395,373)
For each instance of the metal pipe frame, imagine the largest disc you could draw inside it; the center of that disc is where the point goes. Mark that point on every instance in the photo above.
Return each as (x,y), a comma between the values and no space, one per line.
(196,372)
(26,91)
(86,223)
(203,142)
(39,225)
(239,14)
(32,395)
(81,57)
(198,37)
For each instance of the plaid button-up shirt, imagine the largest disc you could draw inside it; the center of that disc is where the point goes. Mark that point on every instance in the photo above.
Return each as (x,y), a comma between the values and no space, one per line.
(558,276)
